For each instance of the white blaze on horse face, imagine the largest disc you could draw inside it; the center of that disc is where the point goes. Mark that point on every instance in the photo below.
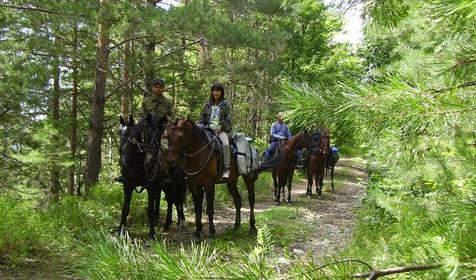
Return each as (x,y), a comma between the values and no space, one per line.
(123,130)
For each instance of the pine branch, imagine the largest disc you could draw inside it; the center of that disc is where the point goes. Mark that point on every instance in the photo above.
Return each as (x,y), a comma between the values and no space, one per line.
(438,91)
(374,274)
(27,8)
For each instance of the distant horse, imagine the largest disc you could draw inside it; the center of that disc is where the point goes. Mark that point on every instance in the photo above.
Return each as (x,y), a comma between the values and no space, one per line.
(317,163)
(284,171)
(331,162)
(193,151)
(142,169)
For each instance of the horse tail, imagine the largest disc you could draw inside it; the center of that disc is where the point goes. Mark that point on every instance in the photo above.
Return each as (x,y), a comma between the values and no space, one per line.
(272,163)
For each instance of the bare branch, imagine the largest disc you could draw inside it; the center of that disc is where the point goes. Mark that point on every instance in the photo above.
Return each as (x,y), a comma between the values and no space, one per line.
(130,39)
(150,64)
(374,274)
(28,8)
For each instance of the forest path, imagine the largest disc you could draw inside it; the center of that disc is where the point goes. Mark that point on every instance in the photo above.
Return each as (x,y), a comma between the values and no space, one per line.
(317,226)
(330,218)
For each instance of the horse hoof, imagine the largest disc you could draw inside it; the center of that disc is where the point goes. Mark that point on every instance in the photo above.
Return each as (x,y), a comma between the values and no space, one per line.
(289,200)
(196,239)
(152,237)
(253,231)
(121,231)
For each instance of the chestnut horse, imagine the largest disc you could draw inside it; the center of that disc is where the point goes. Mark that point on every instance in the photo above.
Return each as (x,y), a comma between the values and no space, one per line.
(317,163)
(191,149)
(284,172)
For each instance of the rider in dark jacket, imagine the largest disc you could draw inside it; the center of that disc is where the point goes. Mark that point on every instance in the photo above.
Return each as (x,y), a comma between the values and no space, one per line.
(217,115)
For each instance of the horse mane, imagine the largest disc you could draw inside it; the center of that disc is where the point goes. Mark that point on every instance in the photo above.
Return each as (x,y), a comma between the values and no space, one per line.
(293,141)
(198,131)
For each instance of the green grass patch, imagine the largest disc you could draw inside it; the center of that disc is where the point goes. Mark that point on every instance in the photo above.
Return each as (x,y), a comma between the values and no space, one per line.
(285,224)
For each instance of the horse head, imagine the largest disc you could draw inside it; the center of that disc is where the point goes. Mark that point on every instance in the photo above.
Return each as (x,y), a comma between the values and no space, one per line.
(127,130)
(149,132)
(127,134)
(324,142)
(178,136)
(306,140)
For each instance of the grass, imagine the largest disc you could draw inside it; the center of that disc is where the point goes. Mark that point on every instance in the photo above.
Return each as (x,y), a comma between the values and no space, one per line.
(79,230)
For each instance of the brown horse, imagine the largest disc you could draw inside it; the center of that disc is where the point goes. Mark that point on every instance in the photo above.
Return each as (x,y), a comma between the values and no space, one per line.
(284,172)
(191,149)
(317,163)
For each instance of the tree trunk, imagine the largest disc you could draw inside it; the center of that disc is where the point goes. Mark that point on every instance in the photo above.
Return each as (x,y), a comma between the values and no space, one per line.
(149,74)
(74,114)
(93,163)
(126,74)
(54,170)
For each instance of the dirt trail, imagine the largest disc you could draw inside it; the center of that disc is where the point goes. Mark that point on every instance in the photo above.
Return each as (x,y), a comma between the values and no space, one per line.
(332,214)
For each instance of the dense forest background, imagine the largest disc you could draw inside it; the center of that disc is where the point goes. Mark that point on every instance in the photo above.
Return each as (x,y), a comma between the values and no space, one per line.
(404,99)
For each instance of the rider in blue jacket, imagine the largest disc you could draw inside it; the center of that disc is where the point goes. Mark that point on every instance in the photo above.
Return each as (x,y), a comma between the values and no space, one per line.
(279,131)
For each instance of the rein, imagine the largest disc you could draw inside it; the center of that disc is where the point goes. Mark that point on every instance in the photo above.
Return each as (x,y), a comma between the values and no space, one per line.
(152,174)
(192,173)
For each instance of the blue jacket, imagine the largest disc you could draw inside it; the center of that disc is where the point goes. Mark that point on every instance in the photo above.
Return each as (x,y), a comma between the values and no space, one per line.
(280,131)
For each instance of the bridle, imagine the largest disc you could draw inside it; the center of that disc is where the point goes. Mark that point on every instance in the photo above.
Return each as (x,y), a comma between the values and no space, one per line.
(184,154)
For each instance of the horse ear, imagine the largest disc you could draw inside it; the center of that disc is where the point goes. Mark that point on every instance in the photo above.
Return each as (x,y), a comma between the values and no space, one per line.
(188,118)
(149,118)
(122,121)
(131,119)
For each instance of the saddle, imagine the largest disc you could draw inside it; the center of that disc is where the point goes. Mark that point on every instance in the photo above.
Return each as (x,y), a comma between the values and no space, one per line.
(240,149)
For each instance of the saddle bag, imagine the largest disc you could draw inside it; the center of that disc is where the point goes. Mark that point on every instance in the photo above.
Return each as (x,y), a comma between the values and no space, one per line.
(246,156)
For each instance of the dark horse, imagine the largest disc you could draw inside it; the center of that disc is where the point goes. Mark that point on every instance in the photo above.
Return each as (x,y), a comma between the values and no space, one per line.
(331,162)
(191,149)
(141,166)
(317,163)
(284,172)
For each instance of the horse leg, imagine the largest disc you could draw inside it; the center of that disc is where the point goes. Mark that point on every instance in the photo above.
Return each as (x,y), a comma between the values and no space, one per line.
(180,215)
(210,211)
(237,201)
(157,195)
(282,184)
(250,186)
(126,205)
(332,177)
(150,210)
(316,180)
(310,177)
(275,183)
(168,219)
(197,194)
(290,182)
(179,200)
(321,179)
